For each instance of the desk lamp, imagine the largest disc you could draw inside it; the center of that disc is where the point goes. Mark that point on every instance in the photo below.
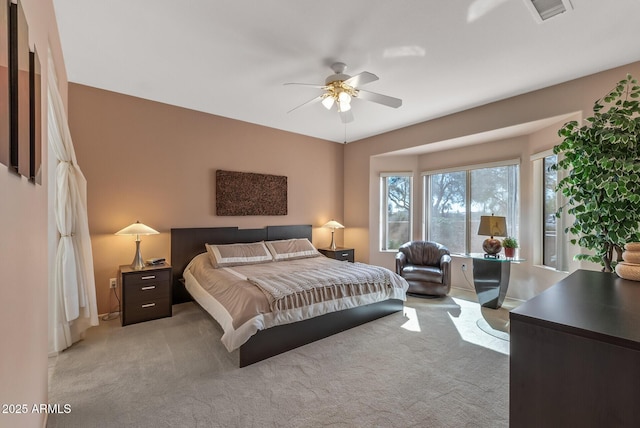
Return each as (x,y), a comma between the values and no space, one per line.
(137,229)
(492,226)
(333,225)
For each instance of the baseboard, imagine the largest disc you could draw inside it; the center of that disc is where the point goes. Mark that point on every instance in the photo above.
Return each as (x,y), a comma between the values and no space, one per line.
(115,315)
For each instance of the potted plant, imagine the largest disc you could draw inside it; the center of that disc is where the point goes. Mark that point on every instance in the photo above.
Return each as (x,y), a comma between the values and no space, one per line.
(510,244)
(602,185)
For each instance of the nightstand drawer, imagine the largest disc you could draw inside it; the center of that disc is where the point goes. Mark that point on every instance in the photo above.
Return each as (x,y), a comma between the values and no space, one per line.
(342,254)
(146,310)
(146,277)
(147,290)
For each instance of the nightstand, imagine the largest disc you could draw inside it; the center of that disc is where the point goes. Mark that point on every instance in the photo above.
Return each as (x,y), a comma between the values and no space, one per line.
(146,293)
(340,253)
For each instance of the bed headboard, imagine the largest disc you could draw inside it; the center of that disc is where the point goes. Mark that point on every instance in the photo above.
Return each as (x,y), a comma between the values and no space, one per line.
(186,243)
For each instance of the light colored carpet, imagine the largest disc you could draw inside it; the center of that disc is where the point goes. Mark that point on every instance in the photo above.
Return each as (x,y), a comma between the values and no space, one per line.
(432,367)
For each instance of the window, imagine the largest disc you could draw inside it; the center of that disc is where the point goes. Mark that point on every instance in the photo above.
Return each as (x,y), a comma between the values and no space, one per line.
(455,200)
(549,207)
(395,203)
(447,213)
(550,246)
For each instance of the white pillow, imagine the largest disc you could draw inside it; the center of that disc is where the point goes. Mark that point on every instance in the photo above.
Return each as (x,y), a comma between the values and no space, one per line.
(290,249)
(238,254)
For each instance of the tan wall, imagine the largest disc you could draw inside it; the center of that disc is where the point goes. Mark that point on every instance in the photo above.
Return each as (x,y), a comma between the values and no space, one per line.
(24,254)
(156,163)
(365,162)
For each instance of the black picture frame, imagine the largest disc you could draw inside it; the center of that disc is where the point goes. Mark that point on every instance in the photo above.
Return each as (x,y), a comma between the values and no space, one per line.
(4,83)
(19,143)
(35,118)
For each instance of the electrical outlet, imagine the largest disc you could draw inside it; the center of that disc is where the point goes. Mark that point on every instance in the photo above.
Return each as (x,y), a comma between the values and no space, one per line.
(464,267)
(112,283)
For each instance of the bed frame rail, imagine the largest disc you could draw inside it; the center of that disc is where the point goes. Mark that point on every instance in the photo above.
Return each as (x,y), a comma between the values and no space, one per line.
(276,340)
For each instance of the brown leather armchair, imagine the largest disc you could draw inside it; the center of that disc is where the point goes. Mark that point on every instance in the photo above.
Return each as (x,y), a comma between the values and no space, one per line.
(426,266)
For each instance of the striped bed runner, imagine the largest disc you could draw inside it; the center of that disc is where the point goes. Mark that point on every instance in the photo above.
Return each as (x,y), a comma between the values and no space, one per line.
(286,291)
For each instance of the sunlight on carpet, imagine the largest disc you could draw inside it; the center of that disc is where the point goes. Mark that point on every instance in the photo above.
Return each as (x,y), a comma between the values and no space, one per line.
(466,324)
(412,323)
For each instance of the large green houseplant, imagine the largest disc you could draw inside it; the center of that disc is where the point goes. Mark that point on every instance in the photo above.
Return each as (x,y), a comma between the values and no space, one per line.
(602,185)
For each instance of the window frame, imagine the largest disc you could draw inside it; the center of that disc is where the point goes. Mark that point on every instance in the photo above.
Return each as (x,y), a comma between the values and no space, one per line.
(564,262)
(558,262)
(426,184)
(384,223)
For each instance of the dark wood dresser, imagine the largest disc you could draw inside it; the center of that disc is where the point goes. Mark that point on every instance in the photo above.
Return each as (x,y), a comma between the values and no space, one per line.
(575,354)
(340,253)
(146,293)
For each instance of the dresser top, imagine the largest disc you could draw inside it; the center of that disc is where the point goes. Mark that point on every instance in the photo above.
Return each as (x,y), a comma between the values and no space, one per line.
(597,305)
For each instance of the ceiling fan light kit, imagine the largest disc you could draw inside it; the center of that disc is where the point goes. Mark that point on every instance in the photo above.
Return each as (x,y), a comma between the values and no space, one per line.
(339,93)
(340,88)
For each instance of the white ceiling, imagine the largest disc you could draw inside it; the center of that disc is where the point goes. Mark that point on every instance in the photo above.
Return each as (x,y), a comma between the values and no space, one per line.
(231,57)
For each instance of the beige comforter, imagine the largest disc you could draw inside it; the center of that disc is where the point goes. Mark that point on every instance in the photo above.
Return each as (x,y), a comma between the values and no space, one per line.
(242,308)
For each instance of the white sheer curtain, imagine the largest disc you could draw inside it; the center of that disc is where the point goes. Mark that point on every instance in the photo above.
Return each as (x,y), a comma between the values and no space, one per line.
(72,304)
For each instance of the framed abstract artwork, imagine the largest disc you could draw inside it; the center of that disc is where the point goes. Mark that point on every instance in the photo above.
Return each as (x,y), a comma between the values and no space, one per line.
(35,118)
(244,194)
(19,111)
(4,82)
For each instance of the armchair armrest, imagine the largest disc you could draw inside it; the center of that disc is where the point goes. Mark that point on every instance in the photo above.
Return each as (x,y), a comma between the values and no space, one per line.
(401,261)
(445,267)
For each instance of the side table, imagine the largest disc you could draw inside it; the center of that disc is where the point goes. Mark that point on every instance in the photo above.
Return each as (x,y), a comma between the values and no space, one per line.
(146,293)
(491,278)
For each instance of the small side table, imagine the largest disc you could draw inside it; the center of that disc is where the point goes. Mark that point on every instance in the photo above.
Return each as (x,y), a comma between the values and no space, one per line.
(340,253)
(491,278)
(146,293)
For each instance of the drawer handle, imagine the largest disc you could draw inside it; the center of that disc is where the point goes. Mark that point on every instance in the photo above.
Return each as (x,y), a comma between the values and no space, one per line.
(345,254)
(149,277)
(149,305)
(149,287)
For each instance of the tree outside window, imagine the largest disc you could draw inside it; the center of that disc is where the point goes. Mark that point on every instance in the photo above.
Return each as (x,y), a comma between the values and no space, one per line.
(447,212)
(458,199)
(396,215)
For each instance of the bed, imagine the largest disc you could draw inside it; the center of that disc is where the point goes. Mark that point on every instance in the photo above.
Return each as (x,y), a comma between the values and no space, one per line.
(187,248)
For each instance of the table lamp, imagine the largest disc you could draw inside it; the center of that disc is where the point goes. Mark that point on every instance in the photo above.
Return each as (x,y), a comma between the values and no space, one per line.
(491,225)
(137,229)
(333,225)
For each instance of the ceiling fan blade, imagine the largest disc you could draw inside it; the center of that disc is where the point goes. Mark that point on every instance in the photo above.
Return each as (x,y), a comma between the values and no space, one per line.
(311,101)
(346,116)
(361,79)
(379,98)
(313,85)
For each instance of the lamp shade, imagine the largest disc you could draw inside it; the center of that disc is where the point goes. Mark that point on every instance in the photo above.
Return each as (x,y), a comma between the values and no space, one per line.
(491,225)
(344,101)
(328,102)
(333,225)
(137,228)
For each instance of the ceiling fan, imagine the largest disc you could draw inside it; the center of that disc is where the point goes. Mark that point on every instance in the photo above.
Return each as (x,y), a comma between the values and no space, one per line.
(340,89)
